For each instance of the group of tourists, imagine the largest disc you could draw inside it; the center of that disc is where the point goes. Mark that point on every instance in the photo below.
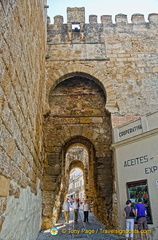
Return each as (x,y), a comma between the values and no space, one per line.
(131,213)
(138,212)
(75,206)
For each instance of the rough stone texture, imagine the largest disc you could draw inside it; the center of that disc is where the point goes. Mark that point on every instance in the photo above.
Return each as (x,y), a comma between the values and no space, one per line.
(22,90)
(76,15)
(78,116)
(4,186)
(124,60)
(97,76)
(121,59)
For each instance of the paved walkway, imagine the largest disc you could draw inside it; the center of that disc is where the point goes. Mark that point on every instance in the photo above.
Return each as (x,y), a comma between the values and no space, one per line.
(93,230)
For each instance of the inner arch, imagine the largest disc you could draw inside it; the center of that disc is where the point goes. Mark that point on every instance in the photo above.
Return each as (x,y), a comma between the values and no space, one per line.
(79,76)
(78,117)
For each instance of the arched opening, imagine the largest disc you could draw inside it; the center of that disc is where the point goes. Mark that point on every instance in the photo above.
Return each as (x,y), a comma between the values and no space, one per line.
(76,162)
(81,76)
(77,156)
(76,188)
(77,118)
(97,75)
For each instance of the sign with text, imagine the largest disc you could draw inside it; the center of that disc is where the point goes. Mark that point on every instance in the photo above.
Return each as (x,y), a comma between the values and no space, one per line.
(141,160)
(130,130)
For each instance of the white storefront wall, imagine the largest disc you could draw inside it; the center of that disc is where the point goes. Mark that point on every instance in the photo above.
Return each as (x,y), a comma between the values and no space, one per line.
(136,159)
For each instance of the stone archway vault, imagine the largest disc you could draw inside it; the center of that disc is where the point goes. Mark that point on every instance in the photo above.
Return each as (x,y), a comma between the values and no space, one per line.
(55,77)
(89,174)
(77,116)
(87,165)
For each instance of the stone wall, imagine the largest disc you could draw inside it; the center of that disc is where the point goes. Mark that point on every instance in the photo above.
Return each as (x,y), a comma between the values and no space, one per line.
(124,53)
(118,64)
(119,57)
(77,116)
(22,78)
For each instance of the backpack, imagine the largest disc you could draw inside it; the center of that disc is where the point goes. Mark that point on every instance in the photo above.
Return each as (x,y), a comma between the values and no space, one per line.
(131,214)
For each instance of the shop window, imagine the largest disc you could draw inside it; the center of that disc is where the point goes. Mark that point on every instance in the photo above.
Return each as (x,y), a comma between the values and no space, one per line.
(139,189)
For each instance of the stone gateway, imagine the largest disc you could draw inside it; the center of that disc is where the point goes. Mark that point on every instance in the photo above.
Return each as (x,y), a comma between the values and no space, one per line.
(63,86)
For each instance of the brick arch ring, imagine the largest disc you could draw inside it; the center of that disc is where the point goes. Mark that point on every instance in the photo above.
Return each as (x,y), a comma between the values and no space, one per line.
(90,73)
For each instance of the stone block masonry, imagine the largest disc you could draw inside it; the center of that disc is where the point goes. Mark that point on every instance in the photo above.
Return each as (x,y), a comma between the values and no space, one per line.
(93,76)
(121,58)
(124,53)
(77,110)
(22,84)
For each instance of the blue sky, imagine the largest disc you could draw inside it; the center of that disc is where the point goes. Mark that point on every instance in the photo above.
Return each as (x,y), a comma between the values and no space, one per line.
(103,7)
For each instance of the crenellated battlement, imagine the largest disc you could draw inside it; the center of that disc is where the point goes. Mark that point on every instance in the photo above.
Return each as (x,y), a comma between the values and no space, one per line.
(103,38)
(136,18)
(76,30)
(77,15)
(58,20)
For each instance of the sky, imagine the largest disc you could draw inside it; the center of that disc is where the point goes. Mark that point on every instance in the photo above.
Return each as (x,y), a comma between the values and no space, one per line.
(103,7)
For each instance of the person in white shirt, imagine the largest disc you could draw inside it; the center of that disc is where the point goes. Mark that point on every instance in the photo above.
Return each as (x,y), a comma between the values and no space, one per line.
(66,207)
(76,209)
(85,210)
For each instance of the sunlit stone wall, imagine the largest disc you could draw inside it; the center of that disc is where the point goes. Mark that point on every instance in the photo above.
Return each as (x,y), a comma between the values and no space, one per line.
(22,79)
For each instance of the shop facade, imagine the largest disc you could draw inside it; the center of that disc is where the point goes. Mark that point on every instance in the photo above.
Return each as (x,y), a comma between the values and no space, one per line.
(135,146)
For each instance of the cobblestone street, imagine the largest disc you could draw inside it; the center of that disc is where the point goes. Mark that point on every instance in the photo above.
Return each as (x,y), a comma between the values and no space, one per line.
(92,230)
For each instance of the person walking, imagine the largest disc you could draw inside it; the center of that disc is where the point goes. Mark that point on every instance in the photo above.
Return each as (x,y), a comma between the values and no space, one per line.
(76,209)
(66,207)
(141,214)
(85,210)
(128,212)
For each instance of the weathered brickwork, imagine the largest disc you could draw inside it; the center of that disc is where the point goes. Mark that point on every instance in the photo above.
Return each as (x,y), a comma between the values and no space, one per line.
(77,114)
(22,79)
(98,75)
(119,57)
(125,53)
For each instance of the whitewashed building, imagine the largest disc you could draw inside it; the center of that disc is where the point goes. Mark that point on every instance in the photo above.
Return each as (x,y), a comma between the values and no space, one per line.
(135,146)
(76,184)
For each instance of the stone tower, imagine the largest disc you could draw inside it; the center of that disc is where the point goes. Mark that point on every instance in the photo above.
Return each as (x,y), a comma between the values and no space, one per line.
(69,91)
(99,75)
